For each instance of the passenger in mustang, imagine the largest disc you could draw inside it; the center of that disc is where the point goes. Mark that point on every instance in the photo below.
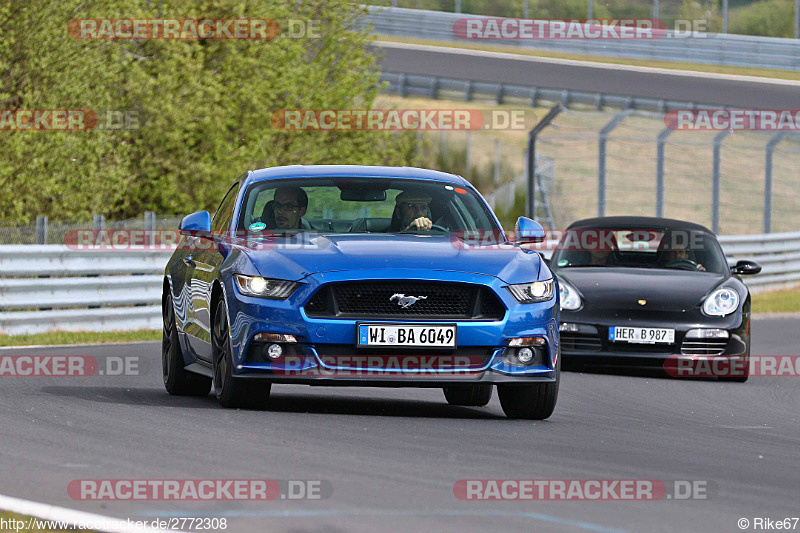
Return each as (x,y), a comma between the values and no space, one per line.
(411,211)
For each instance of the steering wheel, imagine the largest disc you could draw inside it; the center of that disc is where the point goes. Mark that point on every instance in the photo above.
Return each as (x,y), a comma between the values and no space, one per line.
(434,226)
(682,264)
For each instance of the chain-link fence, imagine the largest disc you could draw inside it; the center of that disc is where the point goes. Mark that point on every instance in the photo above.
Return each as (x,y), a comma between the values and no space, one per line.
(742,205)
(55,231)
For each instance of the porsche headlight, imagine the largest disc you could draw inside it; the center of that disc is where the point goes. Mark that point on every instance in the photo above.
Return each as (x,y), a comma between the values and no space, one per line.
(721,302)
(570,299)
(276,289)
(527,293)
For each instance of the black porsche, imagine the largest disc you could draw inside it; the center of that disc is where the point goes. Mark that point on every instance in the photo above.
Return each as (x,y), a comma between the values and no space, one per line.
(651,292)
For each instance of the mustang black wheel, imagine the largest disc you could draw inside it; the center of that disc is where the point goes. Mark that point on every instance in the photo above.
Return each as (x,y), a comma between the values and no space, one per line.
(532,402)
(468,395)
(232,392)
(177,380)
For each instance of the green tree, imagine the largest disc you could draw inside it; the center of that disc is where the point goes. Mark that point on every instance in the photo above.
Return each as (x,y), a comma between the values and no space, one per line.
(204,105)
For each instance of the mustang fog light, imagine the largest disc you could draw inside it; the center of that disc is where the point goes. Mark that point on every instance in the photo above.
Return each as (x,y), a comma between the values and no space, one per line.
(569,328)
(525,355)
(707,334)
(274,351)
(275,337)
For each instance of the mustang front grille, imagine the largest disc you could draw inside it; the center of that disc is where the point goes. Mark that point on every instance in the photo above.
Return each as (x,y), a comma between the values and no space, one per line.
(405,299)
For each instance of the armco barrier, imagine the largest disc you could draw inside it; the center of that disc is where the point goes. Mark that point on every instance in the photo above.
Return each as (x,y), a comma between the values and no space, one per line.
(76,290)
(53,288)
(715,49)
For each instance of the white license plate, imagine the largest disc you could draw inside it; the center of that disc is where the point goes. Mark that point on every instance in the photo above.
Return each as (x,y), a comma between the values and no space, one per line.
(408,335)
(641,335)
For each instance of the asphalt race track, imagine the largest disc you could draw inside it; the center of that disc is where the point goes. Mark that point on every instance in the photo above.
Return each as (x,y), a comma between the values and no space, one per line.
(701,88)
(392,456)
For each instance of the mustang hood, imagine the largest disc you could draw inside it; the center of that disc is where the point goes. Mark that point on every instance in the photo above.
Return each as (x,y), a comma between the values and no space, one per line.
(622,288)
(307,254)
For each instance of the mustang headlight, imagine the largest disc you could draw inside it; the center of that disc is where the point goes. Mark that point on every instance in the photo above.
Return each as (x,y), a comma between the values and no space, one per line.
(276,289)
(527,293)
(570,299)
(721,302)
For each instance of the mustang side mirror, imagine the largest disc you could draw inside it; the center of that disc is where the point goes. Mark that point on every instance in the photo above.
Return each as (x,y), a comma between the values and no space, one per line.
(527,231)
(197,224)
(746,267)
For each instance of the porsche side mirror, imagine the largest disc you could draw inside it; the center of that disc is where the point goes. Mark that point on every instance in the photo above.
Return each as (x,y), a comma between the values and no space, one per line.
(197,224)
(527,231)
(746,267)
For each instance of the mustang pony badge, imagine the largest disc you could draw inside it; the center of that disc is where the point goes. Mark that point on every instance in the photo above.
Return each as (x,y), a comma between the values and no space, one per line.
(406,301)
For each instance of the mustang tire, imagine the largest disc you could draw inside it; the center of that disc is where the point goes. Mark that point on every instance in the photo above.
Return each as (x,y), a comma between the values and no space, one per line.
(532,402)
(177,380)
(468,395)
(232,392)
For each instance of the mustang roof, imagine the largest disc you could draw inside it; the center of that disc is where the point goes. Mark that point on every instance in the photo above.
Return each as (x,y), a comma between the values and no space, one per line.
(625,222)
(356,171)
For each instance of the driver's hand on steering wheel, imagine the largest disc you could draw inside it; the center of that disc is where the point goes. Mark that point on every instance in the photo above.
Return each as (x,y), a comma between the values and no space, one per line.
(422,224)
(700,267)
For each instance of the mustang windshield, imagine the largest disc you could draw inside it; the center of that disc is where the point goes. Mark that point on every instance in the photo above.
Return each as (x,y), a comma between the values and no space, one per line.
(361,205)
(639,248)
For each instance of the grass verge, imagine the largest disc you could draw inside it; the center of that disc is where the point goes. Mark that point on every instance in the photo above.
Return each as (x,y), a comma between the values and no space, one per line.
(674,65)
(80,337)
(783,301)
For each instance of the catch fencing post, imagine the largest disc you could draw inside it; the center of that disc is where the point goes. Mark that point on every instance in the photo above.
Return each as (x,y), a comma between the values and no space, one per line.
(41,229)
(150,227)
(98,222)
(530,209)
(715,186)
(601,166)
(662,139)
(768,180)
(496,163)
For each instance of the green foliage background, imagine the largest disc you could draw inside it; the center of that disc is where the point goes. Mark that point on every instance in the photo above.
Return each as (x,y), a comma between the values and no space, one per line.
(205,105)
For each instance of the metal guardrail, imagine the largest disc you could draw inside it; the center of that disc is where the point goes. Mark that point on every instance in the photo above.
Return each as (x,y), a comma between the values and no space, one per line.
(715,49)
(121,290)
(438,87)
(79,290)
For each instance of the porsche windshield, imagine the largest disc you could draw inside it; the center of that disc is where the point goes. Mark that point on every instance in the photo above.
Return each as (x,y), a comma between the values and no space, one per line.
(361,205)
(639,248)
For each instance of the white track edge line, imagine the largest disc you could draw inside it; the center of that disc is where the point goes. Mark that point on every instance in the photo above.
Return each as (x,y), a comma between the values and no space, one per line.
(46,511)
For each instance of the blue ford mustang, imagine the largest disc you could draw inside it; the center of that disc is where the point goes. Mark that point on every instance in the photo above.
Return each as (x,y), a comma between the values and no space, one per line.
(365,276)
